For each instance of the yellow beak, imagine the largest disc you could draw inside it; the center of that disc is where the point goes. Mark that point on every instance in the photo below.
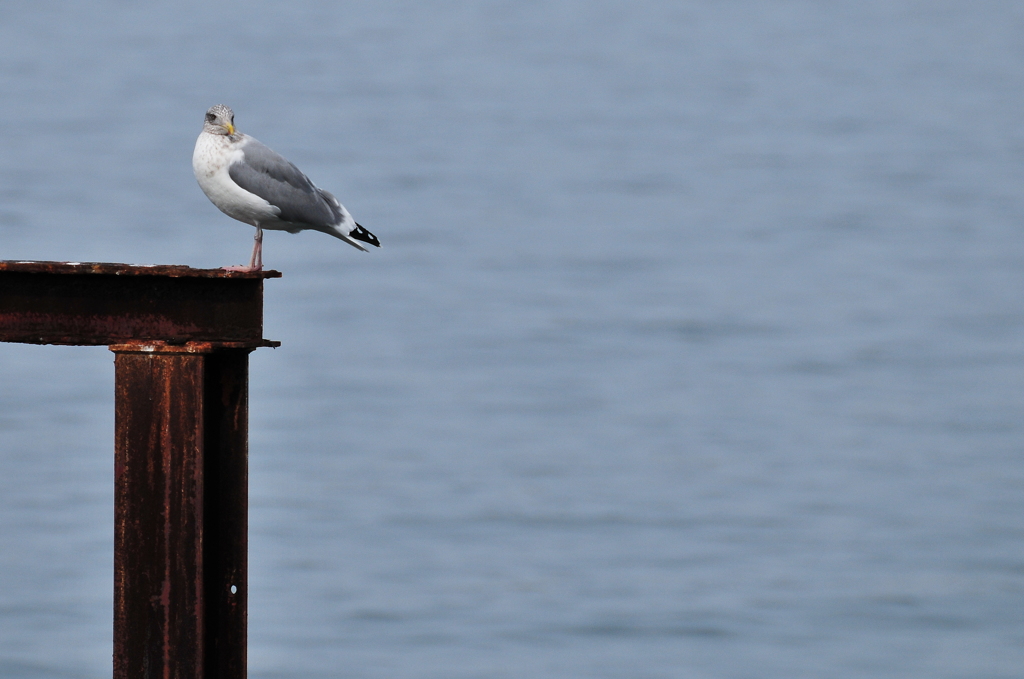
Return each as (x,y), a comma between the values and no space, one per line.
(231,128)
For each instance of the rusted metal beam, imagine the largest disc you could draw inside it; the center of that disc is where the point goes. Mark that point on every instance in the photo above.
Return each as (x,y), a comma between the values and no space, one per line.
(97,304)
(181,339)
(181,506)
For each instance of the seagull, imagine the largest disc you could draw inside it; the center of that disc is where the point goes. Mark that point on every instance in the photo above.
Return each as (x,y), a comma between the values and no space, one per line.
(253,184)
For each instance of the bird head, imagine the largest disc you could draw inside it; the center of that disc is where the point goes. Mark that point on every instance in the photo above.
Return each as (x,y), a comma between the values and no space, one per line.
(219,120)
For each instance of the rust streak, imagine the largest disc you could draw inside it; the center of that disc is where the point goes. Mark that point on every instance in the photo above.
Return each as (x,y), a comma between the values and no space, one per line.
(165,600)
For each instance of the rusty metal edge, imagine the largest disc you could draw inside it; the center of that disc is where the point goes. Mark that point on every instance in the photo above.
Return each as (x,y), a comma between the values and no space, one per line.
(161,347)
(117,269)
(77,342)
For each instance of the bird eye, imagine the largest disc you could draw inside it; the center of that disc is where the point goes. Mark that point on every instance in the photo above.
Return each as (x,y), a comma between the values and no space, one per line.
(210,117)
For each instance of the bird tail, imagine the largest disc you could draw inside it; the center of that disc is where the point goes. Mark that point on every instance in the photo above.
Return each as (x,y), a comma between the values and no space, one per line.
(359,233)
(347,229)
(354,236)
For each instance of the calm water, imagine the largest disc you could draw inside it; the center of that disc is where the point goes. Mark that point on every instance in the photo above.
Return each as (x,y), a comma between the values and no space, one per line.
(694,349)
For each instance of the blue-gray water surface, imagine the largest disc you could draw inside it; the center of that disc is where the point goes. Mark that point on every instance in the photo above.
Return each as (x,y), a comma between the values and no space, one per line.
(694,349)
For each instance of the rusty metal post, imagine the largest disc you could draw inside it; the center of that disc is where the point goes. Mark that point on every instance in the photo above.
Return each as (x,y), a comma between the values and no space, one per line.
(181,339)
(181,504)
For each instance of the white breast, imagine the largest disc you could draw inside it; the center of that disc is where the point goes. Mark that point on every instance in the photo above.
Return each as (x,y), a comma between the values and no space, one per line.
(213,154)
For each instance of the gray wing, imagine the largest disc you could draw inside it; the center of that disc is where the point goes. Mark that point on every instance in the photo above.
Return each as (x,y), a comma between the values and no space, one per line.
(270,176)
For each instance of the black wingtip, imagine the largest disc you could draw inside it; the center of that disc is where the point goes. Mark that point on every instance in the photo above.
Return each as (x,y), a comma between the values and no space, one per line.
(359,233)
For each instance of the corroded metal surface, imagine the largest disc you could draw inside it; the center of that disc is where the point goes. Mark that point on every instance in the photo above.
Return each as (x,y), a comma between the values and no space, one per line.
(181,505)
(97,304)
(181,339)
(149,346)
(111,268)
(226,513)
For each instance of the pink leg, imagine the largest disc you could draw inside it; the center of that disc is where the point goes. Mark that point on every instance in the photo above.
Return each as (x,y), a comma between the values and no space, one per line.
(256,261)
